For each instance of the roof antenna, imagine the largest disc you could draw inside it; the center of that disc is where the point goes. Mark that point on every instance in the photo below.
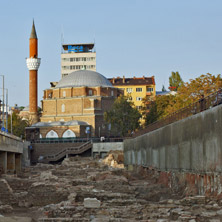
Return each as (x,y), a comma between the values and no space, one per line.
(94,42)
(62,39)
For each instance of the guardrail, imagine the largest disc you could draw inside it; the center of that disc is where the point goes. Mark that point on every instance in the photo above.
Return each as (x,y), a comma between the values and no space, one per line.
(204,103)
(10,136)
(77,140)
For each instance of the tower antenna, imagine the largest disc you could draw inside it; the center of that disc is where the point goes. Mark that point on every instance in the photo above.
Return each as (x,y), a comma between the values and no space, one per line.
(62,39)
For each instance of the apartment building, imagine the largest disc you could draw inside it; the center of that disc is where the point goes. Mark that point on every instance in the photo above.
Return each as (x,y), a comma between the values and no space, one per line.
(76,57)
(136,88)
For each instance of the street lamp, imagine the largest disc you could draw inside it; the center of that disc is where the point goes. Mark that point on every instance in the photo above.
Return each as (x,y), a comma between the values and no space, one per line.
(3,100)
(5,112)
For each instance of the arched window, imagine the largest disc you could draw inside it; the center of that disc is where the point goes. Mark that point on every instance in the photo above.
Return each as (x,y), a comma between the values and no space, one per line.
(51,134)
(63,108)
(68,133)
(40,136)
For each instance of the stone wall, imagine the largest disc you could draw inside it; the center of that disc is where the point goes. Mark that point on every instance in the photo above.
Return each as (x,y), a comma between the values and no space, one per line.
(103,148)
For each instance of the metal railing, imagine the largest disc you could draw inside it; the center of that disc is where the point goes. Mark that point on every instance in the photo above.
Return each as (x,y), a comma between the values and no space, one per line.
(204,103)
(77,140)
(69,150)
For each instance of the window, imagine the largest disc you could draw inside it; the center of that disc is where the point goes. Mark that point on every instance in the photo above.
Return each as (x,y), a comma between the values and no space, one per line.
(148,89)
(63,108)
(112,93)
(65,67)
(139,89)
(66,59)
(51,134)
(139,107)
(129,98)
(138,98)
(68,133)
(129,90)
(90,92)
(64,93)
(65,74)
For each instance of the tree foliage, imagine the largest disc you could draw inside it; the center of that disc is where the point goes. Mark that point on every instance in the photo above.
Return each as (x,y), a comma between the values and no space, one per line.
(155,109)
(123,116)
(18,125)
(163,89)
(187,93)
(175,81)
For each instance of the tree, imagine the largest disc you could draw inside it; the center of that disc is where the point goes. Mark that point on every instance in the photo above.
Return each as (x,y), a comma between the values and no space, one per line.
(192,91)
(175,81)
(163,89)
(156,109)
(18,125)
(123,116)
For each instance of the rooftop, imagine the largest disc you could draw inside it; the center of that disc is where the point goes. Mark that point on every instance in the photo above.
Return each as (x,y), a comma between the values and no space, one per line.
(84,78)
(82,46)
(132,81)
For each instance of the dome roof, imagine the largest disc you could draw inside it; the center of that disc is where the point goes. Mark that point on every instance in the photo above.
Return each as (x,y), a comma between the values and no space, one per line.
(84,78)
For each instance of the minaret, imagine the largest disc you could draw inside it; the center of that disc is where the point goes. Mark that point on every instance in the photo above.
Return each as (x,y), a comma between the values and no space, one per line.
(33,63)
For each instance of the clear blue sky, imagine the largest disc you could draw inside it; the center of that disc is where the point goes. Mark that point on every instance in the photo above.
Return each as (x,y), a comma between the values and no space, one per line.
(133,38)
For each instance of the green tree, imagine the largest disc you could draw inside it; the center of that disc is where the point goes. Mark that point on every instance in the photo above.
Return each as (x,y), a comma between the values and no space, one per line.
(163,89)
(18,125)
(123,116)
(175,81)
(192,91)
(156,109)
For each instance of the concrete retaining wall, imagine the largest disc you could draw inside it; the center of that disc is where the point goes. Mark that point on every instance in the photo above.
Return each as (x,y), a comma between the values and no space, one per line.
(192,145)
(102,148)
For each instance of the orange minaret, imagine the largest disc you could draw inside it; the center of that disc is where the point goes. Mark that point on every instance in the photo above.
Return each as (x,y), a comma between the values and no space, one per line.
(33,63)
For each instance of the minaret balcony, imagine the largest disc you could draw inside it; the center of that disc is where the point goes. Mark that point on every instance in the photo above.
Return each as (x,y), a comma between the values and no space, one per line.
(33,63)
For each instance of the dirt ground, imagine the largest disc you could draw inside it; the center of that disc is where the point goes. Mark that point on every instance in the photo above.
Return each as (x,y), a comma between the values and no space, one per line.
(86,189)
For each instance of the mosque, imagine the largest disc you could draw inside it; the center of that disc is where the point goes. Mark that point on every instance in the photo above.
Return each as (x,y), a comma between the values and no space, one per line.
(73,107)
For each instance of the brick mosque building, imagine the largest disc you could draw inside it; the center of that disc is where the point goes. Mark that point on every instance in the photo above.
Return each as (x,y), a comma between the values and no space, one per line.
(76,104)
(73,107)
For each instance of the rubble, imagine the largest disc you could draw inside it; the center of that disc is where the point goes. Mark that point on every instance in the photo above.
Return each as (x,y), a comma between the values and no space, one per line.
(114,159)
(83,189)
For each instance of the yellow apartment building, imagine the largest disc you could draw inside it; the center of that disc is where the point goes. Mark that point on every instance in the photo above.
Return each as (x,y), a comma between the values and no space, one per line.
(136,88)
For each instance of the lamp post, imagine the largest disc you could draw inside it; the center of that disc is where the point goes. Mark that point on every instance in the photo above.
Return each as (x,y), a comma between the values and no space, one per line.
(4,109)
(3,100)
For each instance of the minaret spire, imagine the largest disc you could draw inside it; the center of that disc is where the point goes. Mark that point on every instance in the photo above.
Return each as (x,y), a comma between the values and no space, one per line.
(33,32)
(33,63)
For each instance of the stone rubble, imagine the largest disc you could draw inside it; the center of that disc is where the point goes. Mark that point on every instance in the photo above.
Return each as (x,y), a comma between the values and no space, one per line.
(83,189)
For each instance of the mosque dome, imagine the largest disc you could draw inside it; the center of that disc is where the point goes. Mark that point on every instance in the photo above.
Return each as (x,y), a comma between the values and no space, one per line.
(84,78)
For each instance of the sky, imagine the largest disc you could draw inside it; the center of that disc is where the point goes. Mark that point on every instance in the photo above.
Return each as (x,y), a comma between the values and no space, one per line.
(133,38)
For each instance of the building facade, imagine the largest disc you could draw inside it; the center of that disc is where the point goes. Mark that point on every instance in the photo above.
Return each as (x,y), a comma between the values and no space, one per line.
(136,88)
(77,57)
(77,103)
